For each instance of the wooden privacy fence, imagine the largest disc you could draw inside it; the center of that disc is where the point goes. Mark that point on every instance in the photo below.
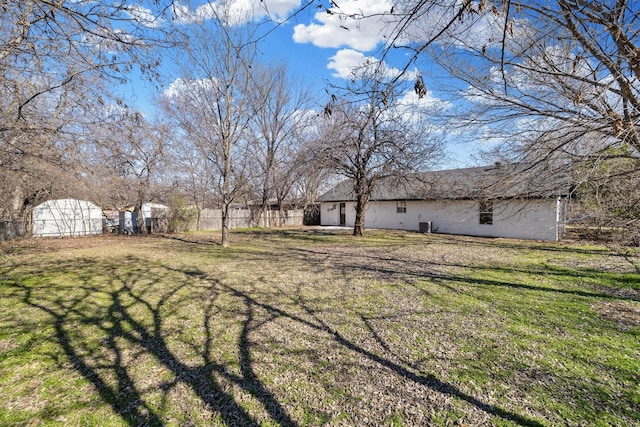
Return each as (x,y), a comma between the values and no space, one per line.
(211,219)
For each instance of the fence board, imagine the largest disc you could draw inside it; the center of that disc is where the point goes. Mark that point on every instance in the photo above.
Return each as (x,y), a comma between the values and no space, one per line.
(211,219)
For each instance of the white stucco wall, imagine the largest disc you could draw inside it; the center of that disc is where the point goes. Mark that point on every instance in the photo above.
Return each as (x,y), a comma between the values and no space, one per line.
(66,217)
(526,219)
(330,213)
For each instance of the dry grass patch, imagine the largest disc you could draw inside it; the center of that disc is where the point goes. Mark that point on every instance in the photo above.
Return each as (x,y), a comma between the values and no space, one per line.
(624,313)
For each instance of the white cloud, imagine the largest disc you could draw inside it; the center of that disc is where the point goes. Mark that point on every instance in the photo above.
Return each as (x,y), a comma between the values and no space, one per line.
(364,24)
(348,63)
(182,14)
(345,61)
(181,87)
(111,40)
(337,28)
(410,100)
(144,16)
(473,30)
(175,88)
(236,11)
(280,9)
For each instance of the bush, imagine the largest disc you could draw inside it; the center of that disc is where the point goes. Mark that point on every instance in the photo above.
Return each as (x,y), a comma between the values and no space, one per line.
(181,215)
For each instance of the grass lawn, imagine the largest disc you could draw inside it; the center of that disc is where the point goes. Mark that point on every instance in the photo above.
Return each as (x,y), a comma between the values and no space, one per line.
(304,327)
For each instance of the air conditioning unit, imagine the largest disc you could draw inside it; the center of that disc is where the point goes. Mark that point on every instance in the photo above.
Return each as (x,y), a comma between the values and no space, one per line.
(425,227)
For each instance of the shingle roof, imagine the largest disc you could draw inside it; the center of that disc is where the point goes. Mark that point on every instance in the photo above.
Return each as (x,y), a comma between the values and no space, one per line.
(488,182)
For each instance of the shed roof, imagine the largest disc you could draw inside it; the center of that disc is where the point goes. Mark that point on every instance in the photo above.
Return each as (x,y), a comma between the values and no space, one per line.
(487,182)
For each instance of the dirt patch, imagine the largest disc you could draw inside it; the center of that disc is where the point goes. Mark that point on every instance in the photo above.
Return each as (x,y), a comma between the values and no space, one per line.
(622,293)
(624,313)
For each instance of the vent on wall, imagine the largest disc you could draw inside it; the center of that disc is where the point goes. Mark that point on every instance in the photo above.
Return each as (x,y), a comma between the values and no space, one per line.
(425,227)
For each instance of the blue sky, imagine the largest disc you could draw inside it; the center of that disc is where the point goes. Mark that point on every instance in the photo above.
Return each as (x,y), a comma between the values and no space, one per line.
(316,45)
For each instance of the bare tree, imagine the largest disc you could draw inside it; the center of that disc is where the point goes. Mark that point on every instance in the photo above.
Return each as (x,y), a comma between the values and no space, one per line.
(370,135)
(557,83)
(56,50)
(126,162)
(194,175)
(568,64)
(279,115)
(54,43)
(554,82)
(209,101)
(609,197)
(55,58)
(39,153)
(42,142)
(312,177)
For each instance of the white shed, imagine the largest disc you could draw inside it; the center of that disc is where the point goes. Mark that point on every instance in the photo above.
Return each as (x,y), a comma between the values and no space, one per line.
(153,215)
(66,218)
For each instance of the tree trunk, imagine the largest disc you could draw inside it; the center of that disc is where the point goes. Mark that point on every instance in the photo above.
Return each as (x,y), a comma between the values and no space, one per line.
(281,217)
(226,192)
(139,227)
(264,214)
(265,196)
(358,227)
(225,211)
(225,225)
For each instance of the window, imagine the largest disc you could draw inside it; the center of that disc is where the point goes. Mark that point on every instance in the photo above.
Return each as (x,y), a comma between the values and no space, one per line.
(486,212)
(401,207)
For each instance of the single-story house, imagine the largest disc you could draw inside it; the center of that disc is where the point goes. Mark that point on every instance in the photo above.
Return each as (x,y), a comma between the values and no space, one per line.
(66,218)
(493,201)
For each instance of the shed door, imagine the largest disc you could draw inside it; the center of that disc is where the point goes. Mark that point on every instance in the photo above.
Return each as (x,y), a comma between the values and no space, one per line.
(343,214)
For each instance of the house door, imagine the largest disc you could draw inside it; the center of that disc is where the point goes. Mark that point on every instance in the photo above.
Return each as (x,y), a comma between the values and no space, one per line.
(343,214)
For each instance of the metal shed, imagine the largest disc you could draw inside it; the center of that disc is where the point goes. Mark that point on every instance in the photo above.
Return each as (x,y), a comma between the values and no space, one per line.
(154,219)
(66,218)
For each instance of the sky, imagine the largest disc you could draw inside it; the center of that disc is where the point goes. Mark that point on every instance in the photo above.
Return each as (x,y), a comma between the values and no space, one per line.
(317,44)
(311,43)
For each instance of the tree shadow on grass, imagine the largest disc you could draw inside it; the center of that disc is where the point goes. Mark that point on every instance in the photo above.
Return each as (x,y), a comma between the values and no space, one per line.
(123,397)
(192,240)
(131,314)
(430,381)
(390,268)
(103,341)
(506,243)
(633,261)
(133,317)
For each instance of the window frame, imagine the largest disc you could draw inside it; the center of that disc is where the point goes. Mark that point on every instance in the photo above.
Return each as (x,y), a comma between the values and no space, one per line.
(485,209)
(401,206)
